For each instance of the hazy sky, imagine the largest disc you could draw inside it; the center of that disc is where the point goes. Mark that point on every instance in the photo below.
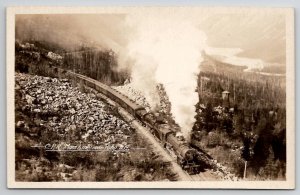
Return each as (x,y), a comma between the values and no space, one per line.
(165,45)
(259,36)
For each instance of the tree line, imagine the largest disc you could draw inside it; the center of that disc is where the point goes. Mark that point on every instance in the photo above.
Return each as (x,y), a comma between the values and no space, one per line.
(255,121)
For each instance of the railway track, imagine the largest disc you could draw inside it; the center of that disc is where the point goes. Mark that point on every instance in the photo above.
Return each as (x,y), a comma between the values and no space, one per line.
(157,147)
(104,92)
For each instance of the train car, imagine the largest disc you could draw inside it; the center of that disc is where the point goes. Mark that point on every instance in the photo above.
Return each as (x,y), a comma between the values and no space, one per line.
(115,95)
(164,132)
(150,119)
(157,128)
(186,156)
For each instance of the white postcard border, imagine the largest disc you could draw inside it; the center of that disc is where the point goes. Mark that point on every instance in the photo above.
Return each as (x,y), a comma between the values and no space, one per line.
(290,105)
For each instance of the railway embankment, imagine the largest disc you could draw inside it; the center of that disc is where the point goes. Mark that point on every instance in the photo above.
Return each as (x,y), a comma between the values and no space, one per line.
(65,97)
(69,135)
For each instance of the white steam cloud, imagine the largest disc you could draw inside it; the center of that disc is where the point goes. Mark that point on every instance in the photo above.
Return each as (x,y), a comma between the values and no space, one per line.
(166,48)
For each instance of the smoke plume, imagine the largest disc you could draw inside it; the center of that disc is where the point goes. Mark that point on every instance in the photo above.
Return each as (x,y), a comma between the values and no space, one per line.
(166,48)
(162,46)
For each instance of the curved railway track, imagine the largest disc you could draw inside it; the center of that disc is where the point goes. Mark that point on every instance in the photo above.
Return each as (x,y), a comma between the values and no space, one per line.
(127,110)
(157,147)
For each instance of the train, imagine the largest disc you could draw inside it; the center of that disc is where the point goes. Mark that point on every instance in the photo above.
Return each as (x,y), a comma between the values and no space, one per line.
(187,157)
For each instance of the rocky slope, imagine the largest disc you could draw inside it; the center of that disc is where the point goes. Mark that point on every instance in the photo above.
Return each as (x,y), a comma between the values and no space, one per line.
(63,134)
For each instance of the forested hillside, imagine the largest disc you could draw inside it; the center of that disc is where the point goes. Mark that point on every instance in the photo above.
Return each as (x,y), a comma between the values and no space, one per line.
(248,126)
(97,63)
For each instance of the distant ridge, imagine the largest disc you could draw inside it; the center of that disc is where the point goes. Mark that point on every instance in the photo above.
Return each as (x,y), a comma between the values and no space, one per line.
(211,63)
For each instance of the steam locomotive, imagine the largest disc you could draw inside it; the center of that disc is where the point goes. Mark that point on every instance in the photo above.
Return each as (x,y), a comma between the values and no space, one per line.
(187,157)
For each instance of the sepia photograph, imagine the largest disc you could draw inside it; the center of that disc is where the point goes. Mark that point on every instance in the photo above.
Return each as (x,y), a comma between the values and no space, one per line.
(150,97)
